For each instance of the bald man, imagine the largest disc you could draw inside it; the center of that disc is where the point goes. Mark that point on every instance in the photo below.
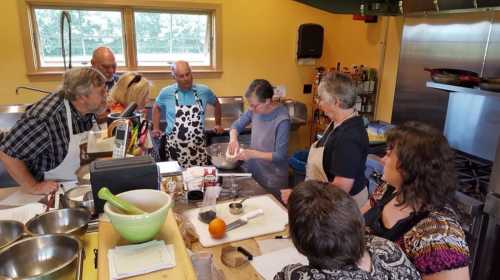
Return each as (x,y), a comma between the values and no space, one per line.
(183,105)
(103,60)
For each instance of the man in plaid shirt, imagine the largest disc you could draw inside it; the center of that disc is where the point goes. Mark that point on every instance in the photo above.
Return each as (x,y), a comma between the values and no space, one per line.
(44,145)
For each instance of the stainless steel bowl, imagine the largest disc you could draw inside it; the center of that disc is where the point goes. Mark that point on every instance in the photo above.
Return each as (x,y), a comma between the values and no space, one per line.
(50,256)
(73,221)
(217,153)
(79,197)
(10,232)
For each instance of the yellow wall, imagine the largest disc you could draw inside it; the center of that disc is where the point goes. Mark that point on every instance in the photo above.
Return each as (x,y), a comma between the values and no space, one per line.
(258,41)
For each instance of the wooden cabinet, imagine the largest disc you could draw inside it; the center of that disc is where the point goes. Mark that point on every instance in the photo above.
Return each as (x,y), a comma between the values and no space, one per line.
(455,4)
(488,3)
(417,6)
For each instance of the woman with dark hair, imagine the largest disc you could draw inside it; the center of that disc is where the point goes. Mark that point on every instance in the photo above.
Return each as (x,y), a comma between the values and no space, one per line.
(326,226)
(266,158)
(414,207)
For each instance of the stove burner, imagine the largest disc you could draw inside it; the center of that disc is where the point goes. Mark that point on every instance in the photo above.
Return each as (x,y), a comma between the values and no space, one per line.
(473,175)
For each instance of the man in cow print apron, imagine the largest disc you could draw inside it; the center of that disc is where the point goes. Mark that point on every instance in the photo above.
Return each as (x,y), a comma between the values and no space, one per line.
(186,142)
(182,106)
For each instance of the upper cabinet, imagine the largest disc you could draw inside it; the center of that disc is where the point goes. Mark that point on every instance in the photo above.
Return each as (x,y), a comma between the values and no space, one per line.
(420,6)
(488,3)
(455,4)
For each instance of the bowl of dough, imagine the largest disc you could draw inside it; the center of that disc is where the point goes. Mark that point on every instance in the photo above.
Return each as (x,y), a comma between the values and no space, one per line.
(220,157)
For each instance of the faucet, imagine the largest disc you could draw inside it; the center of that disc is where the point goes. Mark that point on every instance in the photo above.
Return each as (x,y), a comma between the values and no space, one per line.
(32,89)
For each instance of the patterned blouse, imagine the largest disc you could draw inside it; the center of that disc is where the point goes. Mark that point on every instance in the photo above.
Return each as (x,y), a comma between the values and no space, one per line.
(436,243)
(388,262)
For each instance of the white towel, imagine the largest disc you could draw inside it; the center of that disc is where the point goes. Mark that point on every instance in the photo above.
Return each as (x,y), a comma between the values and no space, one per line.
(137,259)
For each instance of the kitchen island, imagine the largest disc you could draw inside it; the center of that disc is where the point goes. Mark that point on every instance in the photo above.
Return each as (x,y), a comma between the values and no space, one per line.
(247,187)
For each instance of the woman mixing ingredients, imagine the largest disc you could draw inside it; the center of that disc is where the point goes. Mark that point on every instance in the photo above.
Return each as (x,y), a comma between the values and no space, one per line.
(266,158)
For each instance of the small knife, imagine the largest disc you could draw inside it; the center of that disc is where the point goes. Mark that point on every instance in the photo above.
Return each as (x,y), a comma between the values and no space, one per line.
(243,220)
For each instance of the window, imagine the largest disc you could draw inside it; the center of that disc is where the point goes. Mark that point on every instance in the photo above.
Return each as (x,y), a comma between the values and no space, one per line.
(162,38)
(143,38)
(89,29)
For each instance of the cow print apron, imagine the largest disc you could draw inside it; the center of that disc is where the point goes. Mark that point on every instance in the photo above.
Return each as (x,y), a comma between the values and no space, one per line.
(186,142)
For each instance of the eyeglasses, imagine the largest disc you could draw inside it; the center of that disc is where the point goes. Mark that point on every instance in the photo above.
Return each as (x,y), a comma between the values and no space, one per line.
(255,106)
(135,80)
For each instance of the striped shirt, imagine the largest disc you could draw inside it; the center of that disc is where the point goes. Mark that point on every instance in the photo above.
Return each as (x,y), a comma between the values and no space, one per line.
(41,137)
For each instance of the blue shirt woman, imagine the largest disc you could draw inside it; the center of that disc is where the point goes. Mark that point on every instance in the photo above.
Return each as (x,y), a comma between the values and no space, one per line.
(266,158)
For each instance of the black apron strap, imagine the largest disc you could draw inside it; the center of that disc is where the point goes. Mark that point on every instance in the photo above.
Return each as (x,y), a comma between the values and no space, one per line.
(373,218)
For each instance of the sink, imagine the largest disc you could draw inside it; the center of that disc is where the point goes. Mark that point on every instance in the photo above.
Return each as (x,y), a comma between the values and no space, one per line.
(297,111)
(9,114)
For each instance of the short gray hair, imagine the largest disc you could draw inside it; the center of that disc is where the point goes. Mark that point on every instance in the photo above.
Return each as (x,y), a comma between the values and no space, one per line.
(340,86)
(79,81)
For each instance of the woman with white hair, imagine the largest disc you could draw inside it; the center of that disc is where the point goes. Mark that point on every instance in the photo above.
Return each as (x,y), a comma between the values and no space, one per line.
(131,87)
(339,157)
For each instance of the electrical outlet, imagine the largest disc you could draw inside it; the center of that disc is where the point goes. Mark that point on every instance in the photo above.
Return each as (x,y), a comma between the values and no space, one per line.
(307,89)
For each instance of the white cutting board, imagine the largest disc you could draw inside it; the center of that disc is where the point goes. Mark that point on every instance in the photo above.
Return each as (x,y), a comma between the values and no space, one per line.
(274,219)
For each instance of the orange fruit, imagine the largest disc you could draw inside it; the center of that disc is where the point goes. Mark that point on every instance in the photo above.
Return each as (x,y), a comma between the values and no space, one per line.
(217,228)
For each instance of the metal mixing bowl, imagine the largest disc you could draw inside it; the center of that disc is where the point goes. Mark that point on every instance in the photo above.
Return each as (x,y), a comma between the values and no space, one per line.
(72,221)
(217,153)
(10,232)
(79,197)
(50,256)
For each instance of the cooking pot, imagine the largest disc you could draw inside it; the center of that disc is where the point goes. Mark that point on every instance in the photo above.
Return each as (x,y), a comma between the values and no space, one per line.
(73,221)
(454,77)
(135,118)
(80,196)
(51,256)
(491,84)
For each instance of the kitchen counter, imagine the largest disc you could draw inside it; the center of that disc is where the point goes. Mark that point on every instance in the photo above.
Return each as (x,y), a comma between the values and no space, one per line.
(247,187)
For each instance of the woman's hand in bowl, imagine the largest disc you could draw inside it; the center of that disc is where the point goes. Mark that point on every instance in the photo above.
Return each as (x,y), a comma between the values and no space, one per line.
(233,148)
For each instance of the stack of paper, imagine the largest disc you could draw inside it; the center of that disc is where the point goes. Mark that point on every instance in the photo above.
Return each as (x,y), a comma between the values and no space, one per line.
(131,260)
(268,265)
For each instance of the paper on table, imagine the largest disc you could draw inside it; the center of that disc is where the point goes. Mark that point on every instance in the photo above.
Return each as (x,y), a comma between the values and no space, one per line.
(169,167)
(130,260)
(22,213)
(20,198)
(267,265)
(271,245)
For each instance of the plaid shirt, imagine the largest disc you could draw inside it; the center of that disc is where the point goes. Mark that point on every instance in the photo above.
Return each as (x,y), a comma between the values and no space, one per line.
(41,137)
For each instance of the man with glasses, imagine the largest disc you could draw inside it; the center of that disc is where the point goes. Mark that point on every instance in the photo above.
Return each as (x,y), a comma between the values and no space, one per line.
(183,106)
(103,60)
(44,145)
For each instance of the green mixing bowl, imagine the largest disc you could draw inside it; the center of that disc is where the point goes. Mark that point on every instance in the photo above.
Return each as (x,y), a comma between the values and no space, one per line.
(140,228)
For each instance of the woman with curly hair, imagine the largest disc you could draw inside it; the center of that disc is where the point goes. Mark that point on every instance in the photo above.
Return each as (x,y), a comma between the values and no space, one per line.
(414,207)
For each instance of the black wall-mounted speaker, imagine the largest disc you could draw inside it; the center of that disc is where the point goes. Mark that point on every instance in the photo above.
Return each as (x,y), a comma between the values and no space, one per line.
(310,42)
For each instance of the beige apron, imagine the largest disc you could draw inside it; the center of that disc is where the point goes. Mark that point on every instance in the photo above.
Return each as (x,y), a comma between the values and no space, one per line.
(65,171)
(315,171)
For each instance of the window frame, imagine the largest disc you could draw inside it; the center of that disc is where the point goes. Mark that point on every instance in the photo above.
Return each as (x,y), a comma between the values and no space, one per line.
(127,9)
